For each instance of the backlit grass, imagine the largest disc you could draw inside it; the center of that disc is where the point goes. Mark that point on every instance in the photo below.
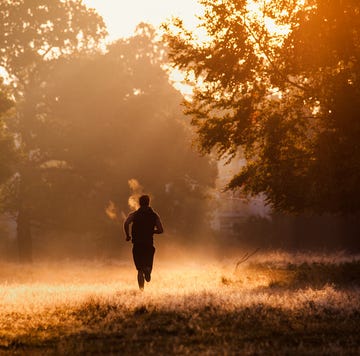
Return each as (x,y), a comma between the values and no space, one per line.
(272,304)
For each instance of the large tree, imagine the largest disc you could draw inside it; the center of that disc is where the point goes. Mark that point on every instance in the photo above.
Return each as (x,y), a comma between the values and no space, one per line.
(33,34)
(8,156)
(33,31)
(106,119)
(279,82)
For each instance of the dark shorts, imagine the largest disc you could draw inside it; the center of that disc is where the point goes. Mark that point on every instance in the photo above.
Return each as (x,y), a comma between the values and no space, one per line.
(143,256)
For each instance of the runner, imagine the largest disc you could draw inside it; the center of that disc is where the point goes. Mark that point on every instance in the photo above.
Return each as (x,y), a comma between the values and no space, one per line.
(145,223)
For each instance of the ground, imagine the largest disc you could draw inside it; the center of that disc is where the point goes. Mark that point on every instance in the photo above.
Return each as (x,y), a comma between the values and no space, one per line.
(272,304)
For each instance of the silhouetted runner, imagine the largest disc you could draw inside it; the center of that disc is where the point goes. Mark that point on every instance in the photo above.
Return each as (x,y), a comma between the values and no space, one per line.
(145,223)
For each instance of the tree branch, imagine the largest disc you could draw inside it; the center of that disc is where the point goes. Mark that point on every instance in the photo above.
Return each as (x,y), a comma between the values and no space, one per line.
(245,258)
(271,61)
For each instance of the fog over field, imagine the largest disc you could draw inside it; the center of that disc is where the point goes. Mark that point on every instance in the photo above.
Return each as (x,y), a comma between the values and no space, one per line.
(307,303)
(226,132)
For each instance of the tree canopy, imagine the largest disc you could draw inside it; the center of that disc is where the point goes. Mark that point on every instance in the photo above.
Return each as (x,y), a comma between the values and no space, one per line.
(34,31)
(102,120)
(279,81)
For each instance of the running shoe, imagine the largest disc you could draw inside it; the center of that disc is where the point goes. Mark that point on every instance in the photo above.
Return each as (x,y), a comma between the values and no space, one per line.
(147,273)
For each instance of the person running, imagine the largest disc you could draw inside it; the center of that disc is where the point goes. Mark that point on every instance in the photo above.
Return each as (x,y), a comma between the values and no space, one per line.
(145,223)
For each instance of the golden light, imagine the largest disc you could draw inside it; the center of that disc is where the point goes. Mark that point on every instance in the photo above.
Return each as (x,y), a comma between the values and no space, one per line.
(43,290)
(64,304)
(256,15)
(122,17)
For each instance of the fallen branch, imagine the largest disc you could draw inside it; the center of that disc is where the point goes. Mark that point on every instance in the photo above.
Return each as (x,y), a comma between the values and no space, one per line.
(245,258)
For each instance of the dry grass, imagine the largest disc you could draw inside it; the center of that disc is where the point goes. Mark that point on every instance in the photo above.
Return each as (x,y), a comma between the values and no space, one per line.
(273,304)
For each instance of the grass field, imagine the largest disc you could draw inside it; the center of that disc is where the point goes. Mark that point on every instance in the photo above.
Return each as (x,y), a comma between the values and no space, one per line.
(272,304)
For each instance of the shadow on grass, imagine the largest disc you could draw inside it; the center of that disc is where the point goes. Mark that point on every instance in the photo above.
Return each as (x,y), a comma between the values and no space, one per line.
(258,329)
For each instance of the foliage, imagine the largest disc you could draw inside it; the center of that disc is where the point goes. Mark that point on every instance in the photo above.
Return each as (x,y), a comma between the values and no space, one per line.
(280,84)
(102,120)
(32,32)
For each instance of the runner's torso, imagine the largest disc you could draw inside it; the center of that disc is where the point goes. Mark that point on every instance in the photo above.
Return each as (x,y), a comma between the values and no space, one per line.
(143,226)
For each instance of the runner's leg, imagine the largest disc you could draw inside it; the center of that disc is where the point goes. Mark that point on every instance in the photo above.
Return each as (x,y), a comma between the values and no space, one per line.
(140,278)
(150,251)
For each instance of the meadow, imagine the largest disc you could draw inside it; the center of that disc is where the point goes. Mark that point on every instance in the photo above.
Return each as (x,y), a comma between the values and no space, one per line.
(273,304)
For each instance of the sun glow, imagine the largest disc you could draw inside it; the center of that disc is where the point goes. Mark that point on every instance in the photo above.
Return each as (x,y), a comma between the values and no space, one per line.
(122,17)
(256,14)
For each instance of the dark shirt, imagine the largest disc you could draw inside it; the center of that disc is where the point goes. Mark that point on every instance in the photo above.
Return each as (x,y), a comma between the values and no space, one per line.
(145,223)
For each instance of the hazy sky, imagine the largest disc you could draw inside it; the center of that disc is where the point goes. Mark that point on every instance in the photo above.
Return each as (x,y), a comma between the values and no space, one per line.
(121,17)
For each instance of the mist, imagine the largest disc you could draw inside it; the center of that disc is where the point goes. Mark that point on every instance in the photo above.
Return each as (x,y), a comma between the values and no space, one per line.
(243,132)
(103,128)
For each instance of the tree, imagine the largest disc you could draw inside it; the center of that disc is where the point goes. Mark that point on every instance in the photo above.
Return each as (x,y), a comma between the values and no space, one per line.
(8,154)
(281,85)
(32,32)
(102,120)
(32,35)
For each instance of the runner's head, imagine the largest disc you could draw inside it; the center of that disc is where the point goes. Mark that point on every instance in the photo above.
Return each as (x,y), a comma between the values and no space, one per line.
(144,200)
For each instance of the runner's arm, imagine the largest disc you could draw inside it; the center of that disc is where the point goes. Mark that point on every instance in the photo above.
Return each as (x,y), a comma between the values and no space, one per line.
(127,223)
(158,226)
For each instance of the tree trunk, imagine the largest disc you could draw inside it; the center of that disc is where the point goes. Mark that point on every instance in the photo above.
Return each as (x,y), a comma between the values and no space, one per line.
(24,237)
